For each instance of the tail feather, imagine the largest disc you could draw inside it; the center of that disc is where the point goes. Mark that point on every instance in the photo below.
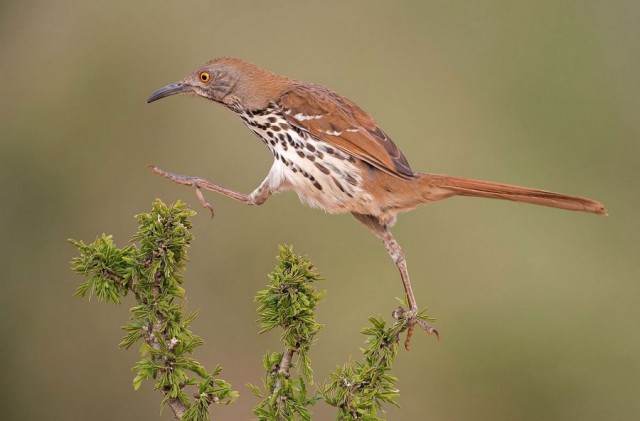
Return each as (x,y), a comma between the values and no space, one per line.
(477,188)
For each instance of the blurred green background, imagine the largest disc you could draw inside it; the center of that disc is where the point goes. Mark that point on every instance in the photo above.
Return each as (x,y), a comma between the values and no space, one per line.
(538,308)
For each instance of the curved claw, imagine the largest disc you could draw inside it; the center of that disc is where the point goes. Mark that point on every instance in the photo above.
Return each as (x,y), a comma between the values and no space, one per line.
(408,340)
(176,178)
(156,170)
(203,201)
(425,326)
(412,321)
(428,328)
(186,180)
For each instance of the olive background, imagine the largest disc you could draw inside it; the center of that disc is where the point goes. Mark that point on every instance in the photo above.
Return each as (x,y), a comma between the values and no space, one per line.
(538,308)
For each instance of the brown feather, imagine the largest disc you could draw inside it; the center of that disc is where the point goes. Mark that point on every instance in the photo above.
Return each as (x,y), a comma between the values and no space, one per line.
(477,188)
(335,119)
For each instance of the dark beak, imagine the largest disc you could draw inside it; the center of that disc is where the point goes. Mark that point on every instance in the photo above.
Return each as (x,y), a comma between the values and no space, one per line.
(173,89)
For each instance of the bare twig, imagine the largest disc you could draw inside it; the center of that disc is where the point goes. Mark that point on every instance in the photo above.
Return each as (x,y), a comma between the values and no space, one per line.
(177,407)
(284,366)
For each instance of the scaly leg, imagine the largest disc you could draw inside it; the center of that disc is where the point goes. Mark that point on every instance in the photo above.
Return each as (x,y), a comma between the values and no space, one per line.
(257,197)
(395,251)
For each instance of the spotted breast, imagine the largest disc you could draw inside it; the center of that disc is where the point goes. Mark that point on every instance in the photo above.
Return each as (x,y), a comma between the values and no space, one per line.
(322,175)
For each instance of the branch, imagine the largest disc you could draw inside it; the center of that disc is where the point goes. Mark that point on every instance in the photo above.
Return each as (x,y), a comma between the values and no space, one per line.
(289,303)
(177,407)
(152,271)
(359,389)
(284,367)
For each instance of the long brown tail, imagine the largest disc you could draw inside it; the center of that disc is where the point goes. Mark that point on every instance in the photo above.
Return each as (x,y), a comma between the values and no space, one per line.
(477,188)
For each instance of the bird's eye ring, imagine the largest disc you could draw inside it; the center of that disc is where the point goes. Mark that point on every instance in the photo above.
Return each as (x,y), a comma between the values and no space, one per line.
(205,77)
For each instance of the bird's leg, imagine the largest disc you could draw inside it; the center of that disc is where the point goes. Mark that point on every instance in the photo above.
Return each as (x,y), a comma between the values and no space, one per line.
(257,197)
(395,252)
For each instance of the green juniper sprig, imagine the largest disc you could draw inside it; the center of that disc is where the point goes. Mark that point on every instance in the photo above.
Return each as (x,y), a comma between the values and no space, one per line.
(288,302)
(152,271)
(359,389)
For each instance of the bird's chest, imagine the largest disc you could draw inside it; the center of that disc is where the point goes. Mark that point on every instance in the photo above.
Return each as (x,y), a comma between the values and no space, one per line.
(322,175)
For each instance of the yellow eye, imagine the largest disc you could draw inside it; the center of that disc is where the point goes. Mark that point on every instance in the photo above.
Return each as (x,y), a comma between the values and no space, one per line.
(205,77)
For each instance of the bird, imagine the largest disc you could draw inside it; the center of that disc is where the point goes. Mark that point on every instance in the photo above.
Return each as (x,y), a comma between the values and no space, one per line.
(335,157)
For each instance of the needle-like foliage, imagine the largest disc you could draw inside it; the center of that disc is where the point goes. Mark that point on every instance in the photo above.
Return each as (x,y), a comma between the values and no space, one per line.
(152,271)
(289,302)
(359,389)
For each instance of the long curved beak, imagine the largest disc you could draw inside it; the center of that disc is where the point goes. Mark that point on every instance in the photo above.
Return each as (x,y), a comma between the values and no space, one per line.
(173,89)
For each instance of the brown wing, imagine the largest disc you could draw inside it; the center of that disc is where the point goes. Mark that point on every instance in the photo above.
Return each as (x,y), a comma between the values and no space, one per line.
(337,120)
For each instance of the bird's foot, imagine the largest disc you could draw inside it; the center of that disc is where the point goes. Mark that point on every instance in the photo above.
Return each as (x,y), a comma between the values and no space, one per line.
(195,182)
(411,318)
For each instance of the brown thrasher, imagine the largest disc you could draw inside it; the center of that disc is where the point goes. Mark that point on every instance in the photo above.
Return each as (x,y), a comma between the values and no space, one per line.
(334,156)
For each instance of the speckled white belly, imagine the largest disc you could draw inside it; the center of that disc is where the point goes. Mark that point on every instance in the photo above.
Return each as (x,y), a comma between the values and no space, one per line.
(322,176)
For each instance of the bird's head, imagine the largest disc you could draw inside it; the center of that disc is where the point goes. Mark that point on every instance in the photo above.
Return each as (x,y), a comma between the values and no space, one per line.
(229,80)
